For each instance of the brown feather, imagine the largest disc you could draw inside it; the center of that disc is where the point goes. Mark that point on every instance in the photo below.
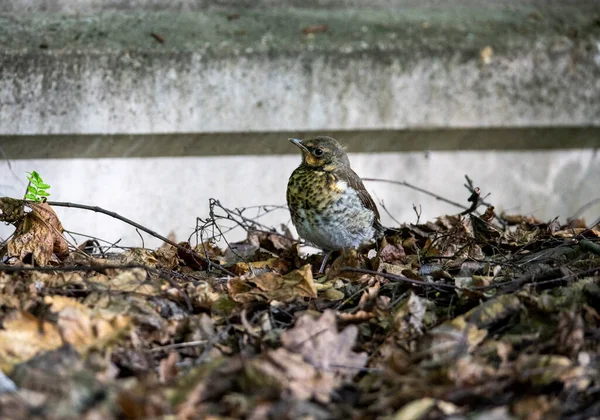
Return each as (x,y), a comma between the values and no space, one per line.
(348,175)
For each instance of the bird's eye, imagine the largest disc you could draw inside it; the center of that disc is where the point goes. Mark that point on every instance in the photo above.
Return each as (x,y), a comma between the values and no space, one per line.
(318,152)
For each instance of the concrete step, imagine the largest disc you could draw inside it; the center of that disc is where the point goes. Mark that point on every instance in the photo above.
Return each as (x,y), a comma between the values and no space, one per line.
(91,6)
(258,71)
(63,146)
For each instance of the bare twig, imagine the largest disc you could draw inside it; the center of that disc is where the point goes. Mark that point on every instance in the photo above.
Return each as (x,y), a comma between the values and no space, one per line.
(140,227)
(395,277)
(382,205)
(418,212)
(179,345)
(414,187)
(69,268)
(474,200)
(584,208)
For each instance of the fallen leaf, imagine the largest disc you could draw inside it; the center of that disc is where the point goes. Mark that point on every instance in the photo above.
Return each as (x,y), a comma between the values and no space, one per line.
(11,210)
(23,336)
(410,317)
(38,234)
(494,310)
(571,333)
(448,342)
(139,256)
(268,287)
(392,254)
(83,327)
(332,294)
(313,29)
(278,265)
(536,408)
(134,280)
(288,369)
(415,410)
(167,369)
(166,257)
(322,346)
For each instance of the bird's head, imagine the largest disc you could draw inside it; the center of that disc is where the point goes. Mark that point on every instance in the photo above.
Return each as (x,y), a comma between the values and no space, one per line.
(322,152)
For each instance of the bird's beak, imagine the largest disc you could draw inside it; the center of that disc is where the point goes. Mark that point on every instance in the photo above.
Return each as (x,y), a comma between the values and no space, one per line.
(298,143)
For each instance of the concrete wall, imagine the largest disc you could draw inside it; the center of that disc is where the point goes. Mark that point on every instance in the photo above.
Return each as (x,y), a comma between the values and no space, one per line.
(371,70)
(88,6)
(91,100)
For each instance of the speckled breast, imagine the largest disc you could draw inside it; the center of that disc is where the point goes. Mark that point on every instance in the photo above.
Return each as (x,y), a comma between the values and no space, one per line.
(326,211)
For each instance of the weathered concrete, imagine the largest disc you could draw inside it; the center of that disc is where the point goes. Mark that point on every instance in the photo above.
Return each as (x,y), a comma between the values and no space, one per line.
(90,6)
(168,193)
(269,143)
(371,70)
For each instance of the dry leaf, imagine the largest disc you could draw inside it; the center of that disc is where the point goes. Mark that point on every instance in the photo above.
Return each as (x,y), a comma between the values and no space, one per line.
(571,333)
(167,370)
(39,234)
(415,410)
(23,336)
(322,346)
(410,318)
(449,341)
(11,210)
(139,256)
(273,286)
(166,257)
(134,280)
(277,265)
(314,359)
(392,254)
(543,370)
(302,380)
(83,327)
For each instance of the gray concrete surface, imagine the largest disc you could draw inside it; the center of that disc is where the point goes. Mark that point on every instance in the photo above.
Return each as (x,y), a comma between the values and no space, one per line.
(268,143)
(89,6)
(415,68)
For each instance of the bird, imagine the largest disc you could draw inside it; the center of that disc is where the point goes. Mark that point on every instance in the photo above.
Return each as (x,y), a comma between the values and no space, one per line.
(328,202)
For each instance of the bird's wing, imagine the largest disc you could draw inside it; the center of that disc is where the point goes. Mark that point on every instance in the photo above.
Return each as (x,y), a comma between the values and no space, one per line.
(355,182)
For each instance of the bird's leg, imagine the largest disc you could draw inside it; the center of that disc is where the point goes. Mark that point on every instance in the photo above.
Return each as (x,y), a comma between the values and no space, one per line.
(325,258)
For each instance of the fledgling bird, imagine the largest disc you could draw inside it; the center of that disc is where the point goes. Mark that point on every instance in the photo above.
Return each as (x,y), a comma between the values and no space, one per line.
(328,202)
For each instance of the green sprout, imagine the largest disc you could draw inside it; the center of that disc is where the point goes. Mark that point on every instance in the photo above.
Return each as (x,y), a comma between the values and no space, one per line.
(36,189)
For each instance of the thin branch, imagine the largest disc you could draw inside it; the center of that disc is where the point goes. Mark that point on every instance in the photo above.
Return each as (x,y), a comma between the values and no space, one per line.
(584,208)
(140,227)
(414,187)
(94,267)
(394,277)
(474,200)
(417,212)
(382,205)
(179,345)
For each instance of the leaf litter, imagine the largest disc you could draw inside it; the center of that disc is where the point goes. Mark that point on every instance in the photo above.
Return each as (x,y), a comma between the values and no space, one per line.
(464,316)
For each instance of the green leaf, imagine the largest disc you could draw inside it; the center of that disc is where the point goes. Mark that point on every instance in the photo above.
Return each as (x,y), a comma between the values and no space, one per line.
(34,175)
(43,193)
(32,189)
(43,186)
(31,197)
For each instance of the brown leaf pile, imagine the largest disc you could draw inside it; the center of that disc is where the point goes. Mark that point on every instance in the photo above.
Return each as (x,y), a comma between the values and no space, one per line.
(463,316)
